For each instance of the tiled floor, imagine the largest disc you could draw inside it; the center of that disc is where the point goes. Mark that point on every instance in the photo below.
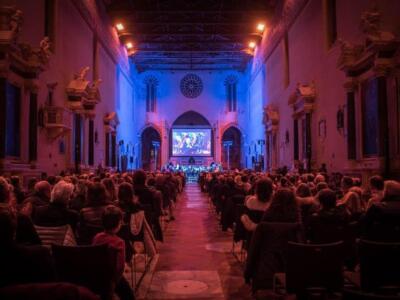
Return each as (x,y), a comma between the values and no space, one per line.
(195,261)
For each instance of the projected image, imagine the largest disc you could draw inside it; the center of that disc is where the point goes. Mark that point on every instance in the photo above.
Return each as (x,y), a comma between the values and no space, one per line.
(191,142)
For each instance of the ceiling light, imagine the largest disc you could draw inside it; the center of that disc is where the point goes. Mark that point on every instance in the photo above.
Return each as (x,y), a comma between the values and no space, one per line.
(120,27)
(252,44)
(260,27)
(129,45)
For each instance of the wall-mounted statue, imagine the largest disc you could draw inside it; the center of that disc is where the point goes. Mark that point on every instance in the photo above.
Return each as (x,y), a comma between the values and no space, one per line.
(81,75)
(15,23)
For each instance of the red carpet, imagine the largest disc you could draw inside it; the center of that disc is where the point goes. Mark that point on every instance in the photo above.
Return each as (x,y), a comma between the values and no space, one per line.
(195,260)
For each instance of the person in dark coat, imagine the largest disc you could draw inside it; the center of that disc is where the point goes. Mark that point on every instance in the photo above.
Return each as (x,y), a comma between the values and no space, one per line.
(149,202)
(19,263)
(41,197)
(268,251)
(330,218)
(382,220)
(90,219)
(25,232)
(57,212)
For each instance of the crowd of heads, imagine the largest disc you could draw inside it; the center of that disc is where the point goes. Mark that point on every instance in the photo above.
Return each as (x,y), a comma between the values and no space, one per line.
(288,193)
(112,191)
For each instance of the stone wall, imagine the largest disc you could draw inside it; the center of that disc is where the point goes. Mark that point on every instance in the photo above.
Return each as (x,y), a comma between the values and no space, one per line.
(312,62)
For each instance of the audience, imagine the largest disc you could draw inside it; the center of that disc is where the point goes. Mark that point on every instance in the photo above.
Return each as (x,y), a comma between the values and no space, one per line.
(119,209)
(100,209)
(329,207)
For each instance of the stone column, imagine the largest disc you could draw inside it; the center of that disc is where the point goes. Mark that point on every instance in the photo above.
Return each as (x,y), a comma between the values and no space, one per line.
(308,146)
(384,141)
(295,139)
(2,118)
(350,87)
(91,143)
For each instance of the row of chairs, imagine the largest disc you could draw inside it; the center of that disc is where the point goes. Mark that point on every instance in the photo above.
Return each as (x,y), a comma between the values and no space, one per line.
(89,265)
(315,271)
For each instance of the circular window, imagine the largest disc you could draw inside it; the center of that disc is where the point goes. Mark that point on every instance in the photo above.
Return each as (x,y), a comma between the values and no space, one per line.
(191,86)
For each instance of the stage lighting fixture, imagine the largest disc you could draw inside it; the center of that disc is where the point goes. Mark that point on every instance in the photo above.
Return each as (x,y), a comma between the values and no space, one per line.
(129,45)
(261,27)
(252,44)
(120,26)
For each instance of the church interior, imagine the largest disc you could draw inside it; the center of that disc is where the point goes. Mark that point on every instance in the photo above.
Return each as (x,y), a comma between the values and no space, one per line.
(199,149)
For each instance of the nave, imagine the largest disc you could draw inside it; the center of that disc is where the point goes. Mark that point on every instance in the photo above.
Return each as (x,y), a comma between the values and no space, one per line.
(195,260)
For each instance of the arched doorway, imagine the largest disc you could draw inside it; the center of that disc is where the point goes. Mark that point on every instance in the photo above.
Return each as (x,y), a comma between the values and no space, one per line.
(231,146)
(191,118)
(151,149)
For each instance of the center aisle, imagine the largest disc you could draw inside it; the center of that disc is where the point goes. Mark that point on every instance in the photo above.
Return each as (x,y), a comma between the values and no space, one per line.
(195,261)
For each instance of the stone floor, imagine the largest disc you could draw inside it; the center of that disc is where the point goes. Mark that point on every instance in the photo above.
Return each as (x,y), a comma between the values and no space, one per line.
(195,261)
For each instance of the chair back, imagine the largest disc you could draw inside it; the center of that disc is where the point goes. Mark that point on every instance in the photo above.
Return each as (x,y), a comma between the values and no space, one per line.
(60,235)
(384,230)
(379,265)
(93,267)
(328,233)
(360,295)
(87,232)
(314,266)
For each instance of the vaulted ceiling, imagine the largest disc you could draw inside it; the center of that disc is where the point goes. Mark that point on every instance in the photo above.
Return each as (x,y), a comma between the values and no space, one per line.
(190,34)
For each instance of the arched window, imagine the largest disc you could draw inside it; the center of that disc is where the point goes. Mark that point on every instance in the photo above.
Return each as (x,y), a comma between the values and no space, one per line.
(151,93)
(231,92)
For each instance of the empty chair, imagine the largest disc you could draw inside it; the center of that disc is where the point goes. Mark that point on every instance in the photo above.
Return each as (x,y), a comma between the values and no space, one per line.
(60,235)
(379,266)
(313,268)
(93,267)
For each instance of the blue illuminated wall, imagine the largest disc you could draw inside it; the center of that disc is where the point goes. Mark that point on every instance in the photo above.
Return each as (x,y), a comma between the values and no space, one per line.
(171,103)
(255,130)
(126,113)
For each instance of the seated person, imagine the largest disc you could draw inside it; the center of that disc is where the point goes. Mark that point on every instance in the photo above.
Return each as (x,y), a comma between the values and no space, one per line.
(57,212)
(382,220)
(25,232)
(307,203)
(256,205)
(376,185)
(283,209)
(112,222)
(354,203)
(40,197)
(330,218)
(18,263)
(90,220)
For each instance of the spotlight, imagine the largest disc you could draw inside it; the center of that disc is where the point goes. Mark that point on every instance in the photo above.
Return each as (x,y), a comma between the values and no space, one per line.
(120,26)
(260,27)
(252,44)
(129,45)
